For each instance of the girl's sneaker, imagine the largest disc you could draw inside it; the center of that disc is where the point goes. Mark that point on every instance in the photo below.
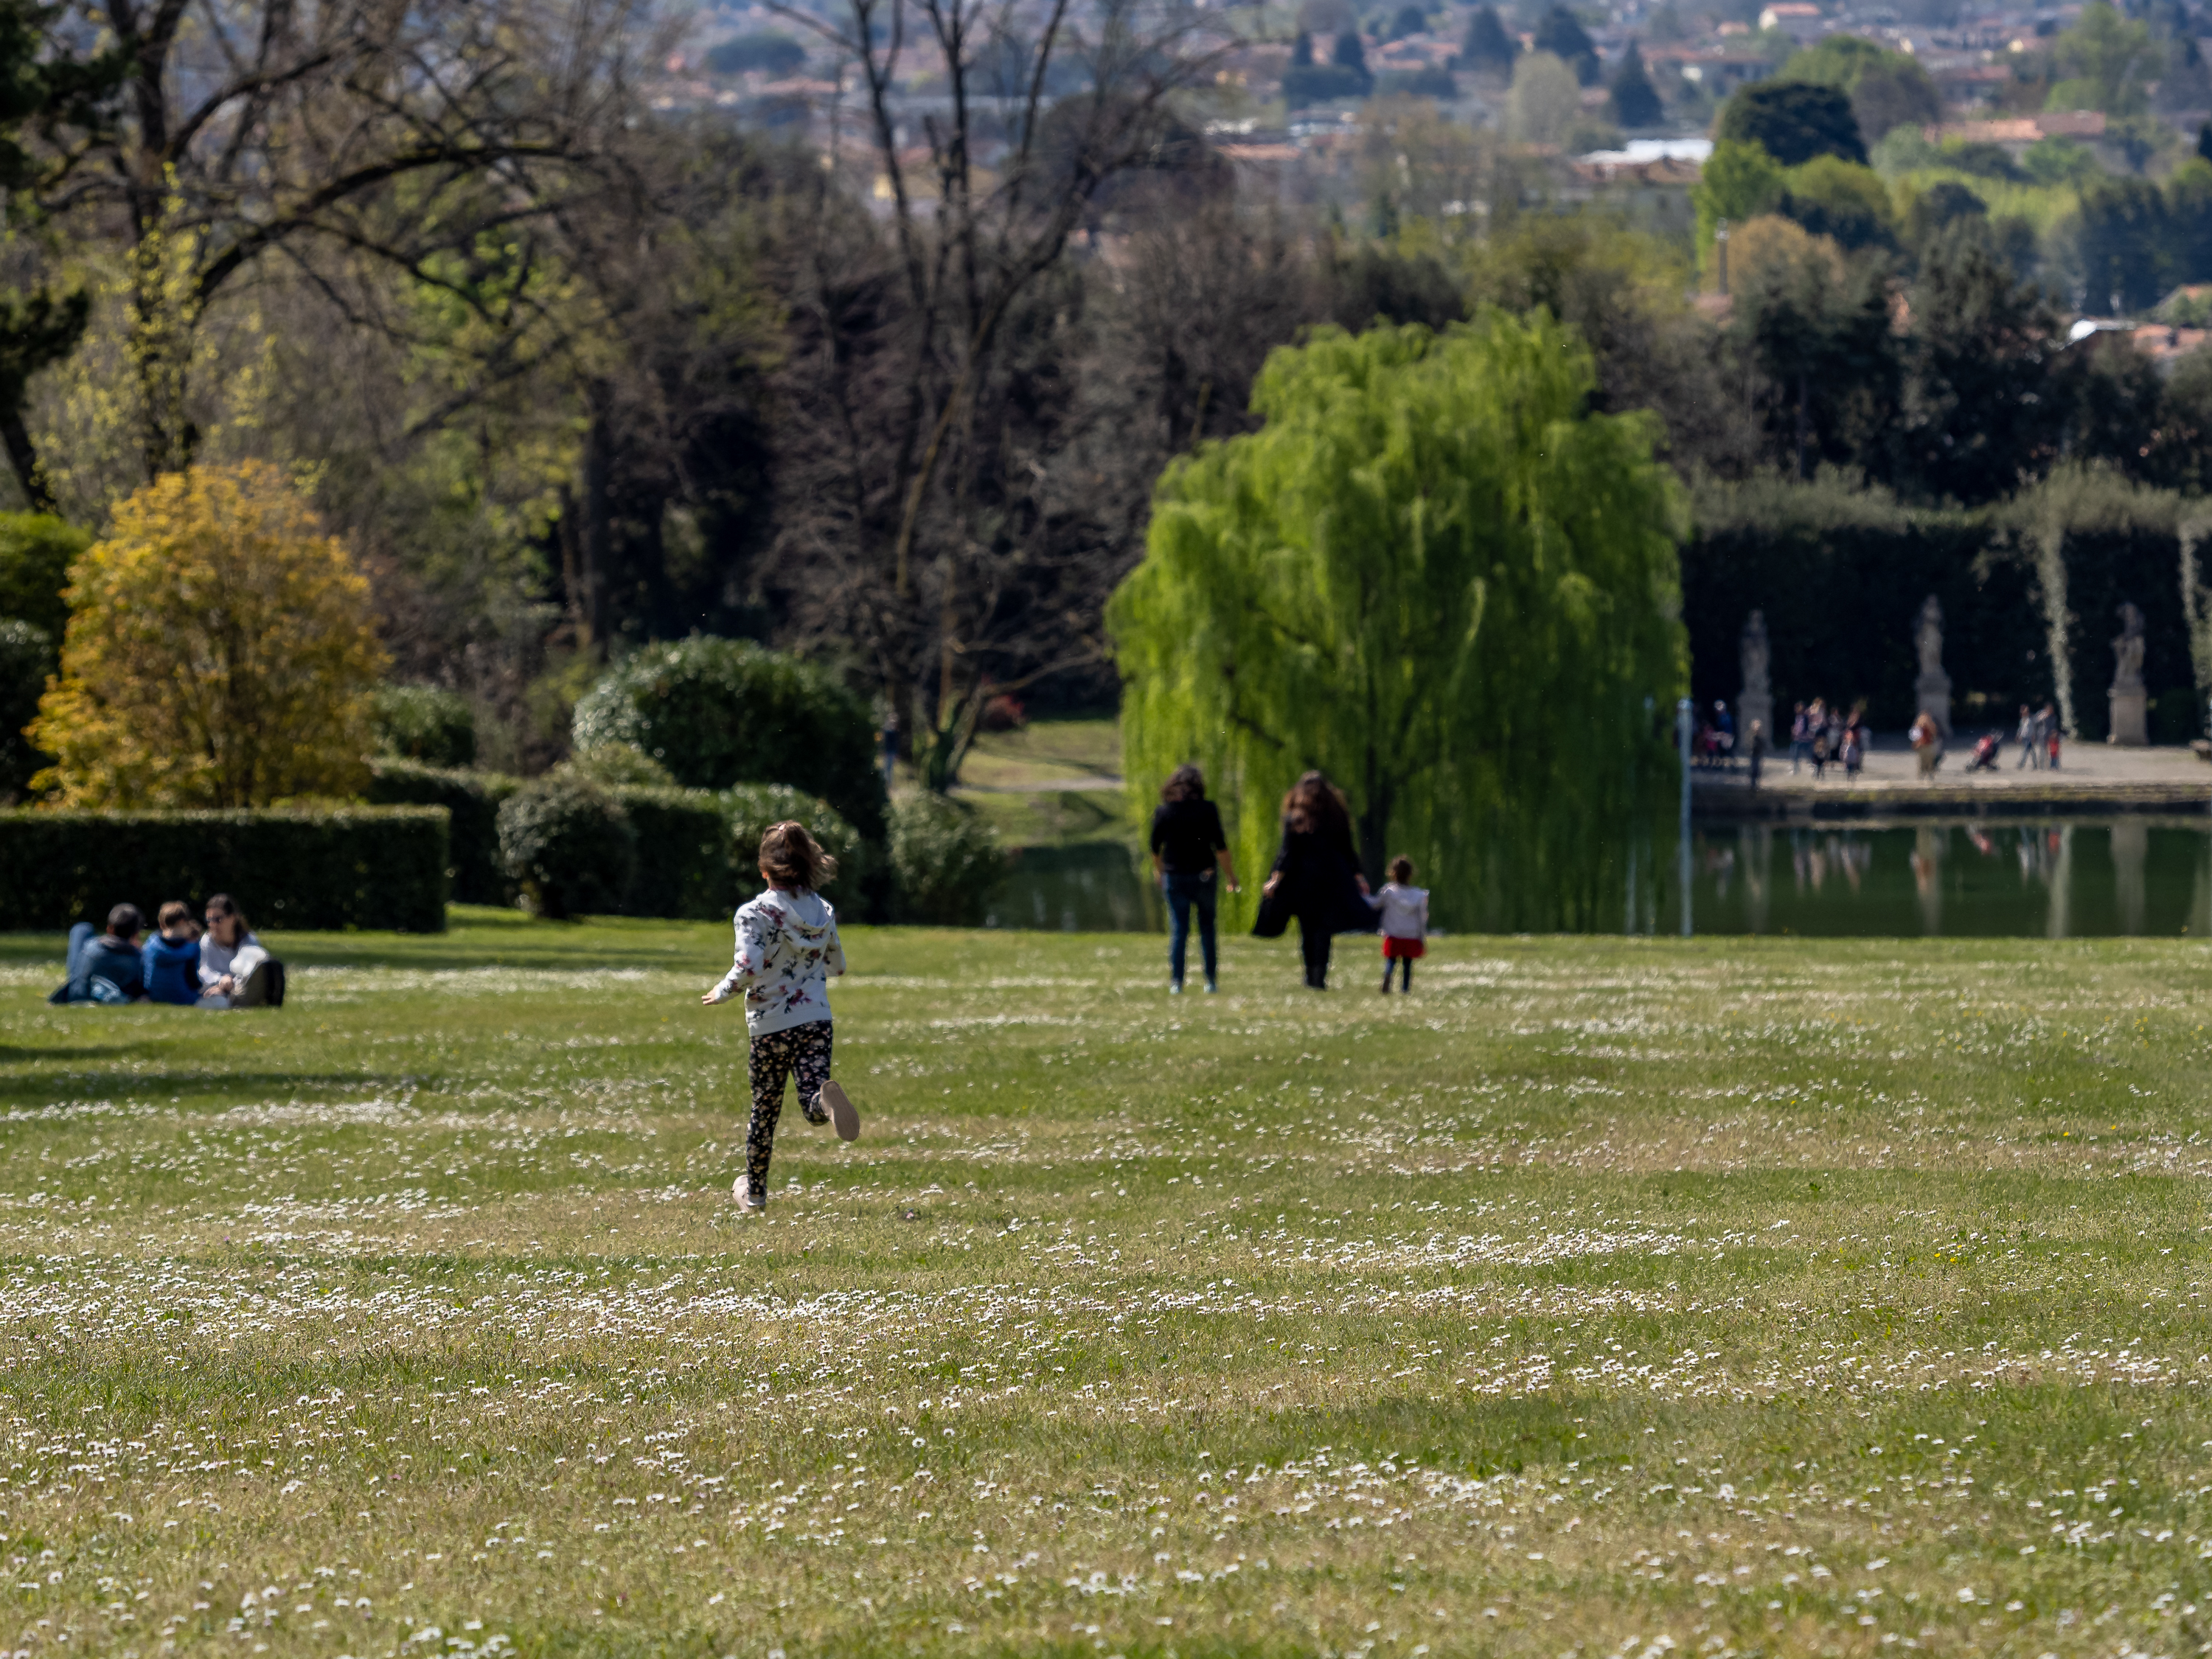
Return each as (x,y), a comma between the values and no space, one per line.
(742,1190)
(841,1111)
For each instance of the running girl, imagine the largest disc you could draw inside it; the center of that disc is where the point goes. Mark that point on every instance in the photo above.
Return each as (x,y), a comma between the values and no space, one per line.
(787,951)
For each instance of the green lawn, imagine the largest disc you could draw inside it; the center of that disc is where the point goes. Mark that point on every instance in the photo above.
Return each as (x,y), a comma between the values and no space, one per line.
(1606,1297)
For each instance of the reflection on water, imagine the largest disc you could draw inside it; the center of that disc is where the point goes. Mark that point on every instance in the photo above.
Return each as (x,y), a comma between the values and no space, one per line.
(2067,878)
(1088,887)
(2063,880)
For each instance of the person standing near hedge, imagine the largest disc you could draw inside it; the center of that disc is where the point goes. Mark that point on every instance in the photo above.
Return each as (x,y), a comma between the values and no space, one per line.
(786,951)
(1188,844)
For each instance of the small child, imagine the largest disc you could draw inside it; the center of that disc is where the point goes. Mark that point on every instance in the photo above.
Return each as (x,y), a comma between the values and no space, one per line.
(1405,911)
(171,959)
(786,950)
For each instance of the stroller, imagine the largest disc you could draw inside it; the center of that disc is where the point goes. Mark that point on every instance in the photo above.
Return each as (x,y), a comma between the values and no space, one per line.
(1985,753)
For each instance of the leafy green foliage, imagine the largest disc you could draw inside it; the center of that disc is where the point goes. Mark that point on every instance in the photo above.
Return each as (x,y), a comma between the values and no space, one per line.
(27,657)
(346,868)
(569,845)
(1887,90)
(1739,181)
(1436,577)
(947,863)
(36,550)
(424,724)
(619,766)
(718,711)
(1840,199)
(2104,59)
(1793,121)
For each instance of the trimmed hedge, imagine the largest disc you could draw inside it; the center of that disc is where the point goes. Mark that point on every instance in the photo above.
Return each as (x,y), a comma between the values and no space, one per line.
(345,866)
(473,798)
(683,853)
(721,711)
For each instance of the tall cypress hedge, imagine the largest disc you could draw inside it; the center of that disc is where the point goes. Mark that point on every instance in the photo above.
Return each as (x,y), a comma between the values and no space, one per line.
(349,867)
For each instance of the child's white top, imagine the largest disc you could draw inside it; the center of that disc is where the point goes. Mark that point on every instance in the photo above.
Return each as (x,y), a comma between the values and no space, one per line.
(1405,911)
(787,949)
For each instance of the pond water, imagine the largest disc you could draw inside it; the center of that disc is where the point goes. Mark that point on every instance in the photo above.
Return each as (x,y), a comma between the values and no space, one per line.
(1977,878)
(2056,878)
(1085,887)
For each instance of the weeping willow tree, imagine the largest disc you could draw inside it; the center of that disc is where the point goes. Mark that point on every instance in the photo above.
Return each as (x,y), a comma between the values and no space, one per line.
(1435,576)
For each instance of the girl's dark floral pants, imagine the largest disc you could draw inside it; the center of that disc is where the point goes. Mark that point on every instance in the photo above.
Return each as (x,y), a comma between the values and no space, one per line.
(800,1051)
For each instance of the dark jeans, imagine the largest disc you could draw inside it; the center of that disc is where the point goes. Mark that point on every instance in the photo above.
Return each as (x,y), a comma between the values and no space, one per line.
(80,936)
(1314,938)
(1406,962)
(1187,893)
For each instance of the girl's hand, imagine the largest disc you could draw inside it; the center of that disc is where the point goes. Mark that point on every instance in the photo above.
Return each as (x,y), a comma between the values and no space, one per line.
(718,994)
(1364,891)
(1272,883)
(1233,887)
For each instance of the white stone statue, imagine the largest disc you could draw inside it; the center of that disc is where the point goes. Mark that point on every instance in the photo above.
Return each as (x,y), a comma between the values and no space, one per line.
(2131,702)
(1756,701)
(1933,689)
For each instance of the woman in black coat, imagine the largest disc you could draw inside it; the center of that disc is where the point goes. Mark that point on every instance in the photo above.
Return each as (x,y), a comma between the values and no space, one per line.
(1315,876)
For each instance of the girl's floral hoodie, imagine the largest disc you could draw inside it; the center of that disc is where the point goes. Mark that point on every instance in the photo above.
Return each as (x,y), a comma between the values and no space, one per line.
(786,950)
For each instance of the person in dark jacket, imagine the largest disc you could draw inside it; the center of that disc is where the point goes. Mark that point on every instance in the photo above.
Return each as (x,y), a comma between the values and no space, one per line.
(105,967)
(1316,874)
(1188,851)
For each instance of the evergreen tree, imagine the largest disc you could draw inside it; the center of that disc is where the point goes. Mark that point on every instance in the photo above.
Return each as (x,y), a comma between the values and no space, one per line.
(1635,99)
(1436,575)
(1793,121)
(1490,49)
(1301,51)
(1352,53)
(1559,35)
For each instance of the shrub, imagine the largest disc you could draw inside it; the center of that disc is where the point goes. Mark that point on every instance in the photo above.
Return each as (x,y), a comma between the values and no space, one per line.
(221,652)
(618,766)
(722,712)
(750,808)
(35,552)
(346,868)
(687,868)
(27,657)
(472,799)
(421,723)
(568,846)
(945,863)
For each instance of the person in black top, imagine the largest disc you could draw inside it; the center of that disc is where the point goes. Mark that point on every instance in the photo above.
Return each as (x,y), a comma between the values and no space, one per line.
(1317,875)
(1187,845)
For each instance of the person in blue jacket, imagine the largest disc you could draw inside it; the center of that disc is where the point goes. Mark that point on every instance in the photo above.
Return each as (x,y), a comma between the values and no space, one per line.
(172,957)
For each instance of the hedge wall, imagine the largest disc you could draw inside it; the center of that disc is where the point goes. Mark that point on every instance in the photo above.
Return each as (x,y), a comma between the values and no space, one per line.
(1841,572)
(682,854)
(381,867)
(472,798)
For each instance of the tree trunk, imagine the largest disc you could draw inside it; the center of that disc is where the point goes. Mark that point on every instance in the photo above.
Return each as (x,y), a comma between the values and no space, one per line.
(24,457)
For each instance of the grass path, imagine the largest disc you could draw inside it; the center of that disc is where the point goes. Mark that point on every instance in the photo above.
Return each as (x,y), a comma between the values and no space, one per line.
(1607,1296)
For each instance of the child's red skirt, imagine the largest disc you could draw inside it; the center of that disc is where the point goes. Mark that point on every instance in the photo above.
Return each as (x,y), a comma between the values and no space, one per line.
(1394,948)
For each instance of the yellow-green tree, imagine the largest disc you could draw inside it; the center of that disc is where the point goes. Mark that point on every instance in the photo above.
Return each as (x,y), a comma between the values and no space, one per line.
(221,652)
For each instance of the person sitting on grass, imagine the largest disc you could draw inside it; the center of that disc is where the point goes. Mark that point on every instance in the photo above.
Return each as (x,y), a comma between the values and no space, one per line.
(787,950)
(235,971)
(172,957)
(104,966)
